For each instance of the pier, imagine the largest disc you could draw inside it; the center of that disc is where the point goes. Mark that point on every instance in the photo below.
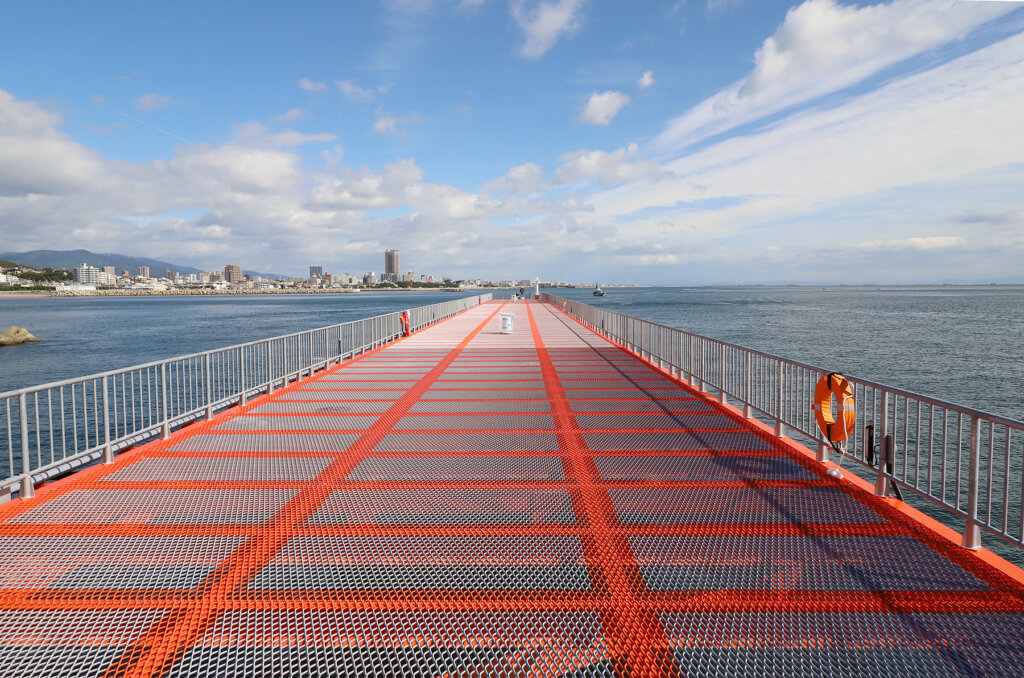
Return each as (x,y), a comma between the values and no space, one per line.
(462,502)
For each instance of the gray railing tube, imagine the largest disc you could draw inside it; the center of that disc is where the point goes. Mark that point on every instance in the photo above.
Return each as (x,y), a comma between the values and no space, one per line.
(28,488)
(882,480)
(108,451)
(746,385)
(780,426)
(972,531)
(166,422)
(208,378)
(242,399)
(721,374)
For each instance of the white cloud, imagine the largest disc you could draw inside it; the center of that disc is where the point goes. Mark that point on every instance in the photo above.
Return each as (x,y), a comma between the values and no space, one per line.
(719,5)
(937,242)
(520,180)
(152,102)
(616,167)
(254,133)
(824,47)
(311,85)
(546,23)
(354,92)
(646,80)
(290,116)
(908,151)
(919,178)
(388,123)
(36,158)
(602,107)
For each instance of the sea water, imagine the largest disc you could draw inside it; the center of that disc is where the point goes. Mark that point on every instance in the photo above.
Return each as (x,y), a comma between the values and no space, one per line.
(960,344)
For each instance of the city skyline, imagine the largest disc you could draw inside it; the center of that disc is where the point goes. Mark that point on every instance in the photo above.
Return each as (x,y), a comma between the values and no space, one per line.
(711,141)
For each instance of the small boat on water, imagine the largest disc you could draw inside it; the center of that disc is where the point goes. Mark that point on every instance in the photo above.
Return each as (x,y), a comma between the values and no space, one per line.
(598,292)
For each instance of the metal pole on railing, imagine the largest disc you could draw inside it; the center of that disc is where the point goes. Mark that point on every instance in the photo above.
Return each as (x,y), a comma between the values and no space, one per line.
(28,488)
(881,481)
(746,385)
(108,451)
(780,428)
(270,367)
(972,532)
(166,428)
(702,366)
(209,389)
(721,370)
(242,400)
(690,343)
(311,362)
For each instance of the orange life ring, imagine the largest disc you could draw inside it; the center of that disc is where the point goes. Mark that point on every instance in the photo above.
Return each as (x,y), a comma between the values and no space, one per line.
(835,427)
(404,320)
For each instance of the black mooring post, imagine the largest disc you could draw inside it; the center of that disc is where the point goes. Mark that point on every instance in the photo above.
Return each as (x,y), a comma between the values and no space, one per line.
(889,455)
(869,443)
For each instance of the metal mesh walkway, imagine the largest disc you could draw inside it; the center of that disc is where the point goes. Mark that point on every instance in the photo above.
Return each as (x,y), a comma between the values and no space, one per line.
(465,503)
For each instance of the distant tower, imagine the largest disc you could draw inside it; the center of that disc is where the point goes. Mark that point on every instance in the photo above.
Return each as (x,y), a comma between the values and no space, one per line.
(391,266)
(233,274)
(316,271)
(143,271)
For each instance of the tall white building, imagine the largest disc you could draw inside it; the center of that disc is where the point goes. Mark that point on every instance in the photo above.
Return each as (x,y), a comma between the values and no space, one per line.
(143,271)
(87,275)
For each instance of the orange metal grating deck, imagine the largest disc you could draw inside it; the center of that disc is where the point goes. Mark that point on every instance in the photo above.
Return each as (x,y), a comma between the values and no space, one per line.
(465,503)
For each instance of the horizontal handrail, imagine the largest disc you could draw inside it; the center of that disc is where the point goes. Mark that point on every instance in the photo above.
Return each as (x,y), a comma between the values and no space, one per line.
(51,429)
(967,462)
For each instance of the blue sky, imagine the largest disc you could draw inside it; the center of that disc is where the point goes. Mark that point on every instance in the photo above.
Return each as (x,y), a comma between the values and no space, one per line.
(702,141)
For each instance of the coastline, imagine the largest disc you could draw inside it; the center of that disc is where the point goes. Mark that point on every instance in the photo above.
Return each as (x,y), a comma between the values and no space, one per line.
(41,294)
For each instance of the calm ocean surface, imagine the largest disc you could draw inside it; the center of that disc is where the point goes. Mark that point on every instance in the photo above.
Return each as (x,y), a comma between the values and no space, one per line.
(962,344)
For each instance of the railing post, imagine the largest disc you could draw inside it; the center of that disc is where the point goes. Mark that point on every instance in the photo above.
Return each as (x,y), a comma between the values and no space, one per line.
(703,366)
(881,481)
(209,389)
(780,428)
(972,532)
(108,451)
(166,428)
(746,385)
(28,488)
(270,367)
(242,400)
(311,361)
(690,362)
(721,383)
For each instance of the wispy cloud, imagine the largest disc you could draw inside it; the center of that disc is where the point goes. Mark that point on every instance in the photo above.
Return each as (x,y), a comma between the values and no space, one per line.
(354,92)
(308,85)
(545,23)
(290,116)
(152,102)
(824,47)
(622,165)
(388,124)
(646,80)
(602,107)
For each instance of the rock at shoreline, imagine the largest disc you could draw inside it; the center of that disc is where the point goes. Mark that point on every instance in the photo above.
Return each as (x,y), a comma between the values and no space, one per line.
(16,335)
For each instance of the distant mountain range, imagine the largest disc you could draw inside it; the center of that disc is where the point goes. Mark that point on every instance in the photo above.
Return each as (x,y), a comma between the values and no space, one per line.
(68,259)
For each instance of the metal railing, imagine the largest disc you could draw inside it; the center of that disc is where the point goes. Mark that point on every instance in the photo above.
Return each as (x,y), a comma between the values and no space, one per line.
(52,429)
(963,460)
